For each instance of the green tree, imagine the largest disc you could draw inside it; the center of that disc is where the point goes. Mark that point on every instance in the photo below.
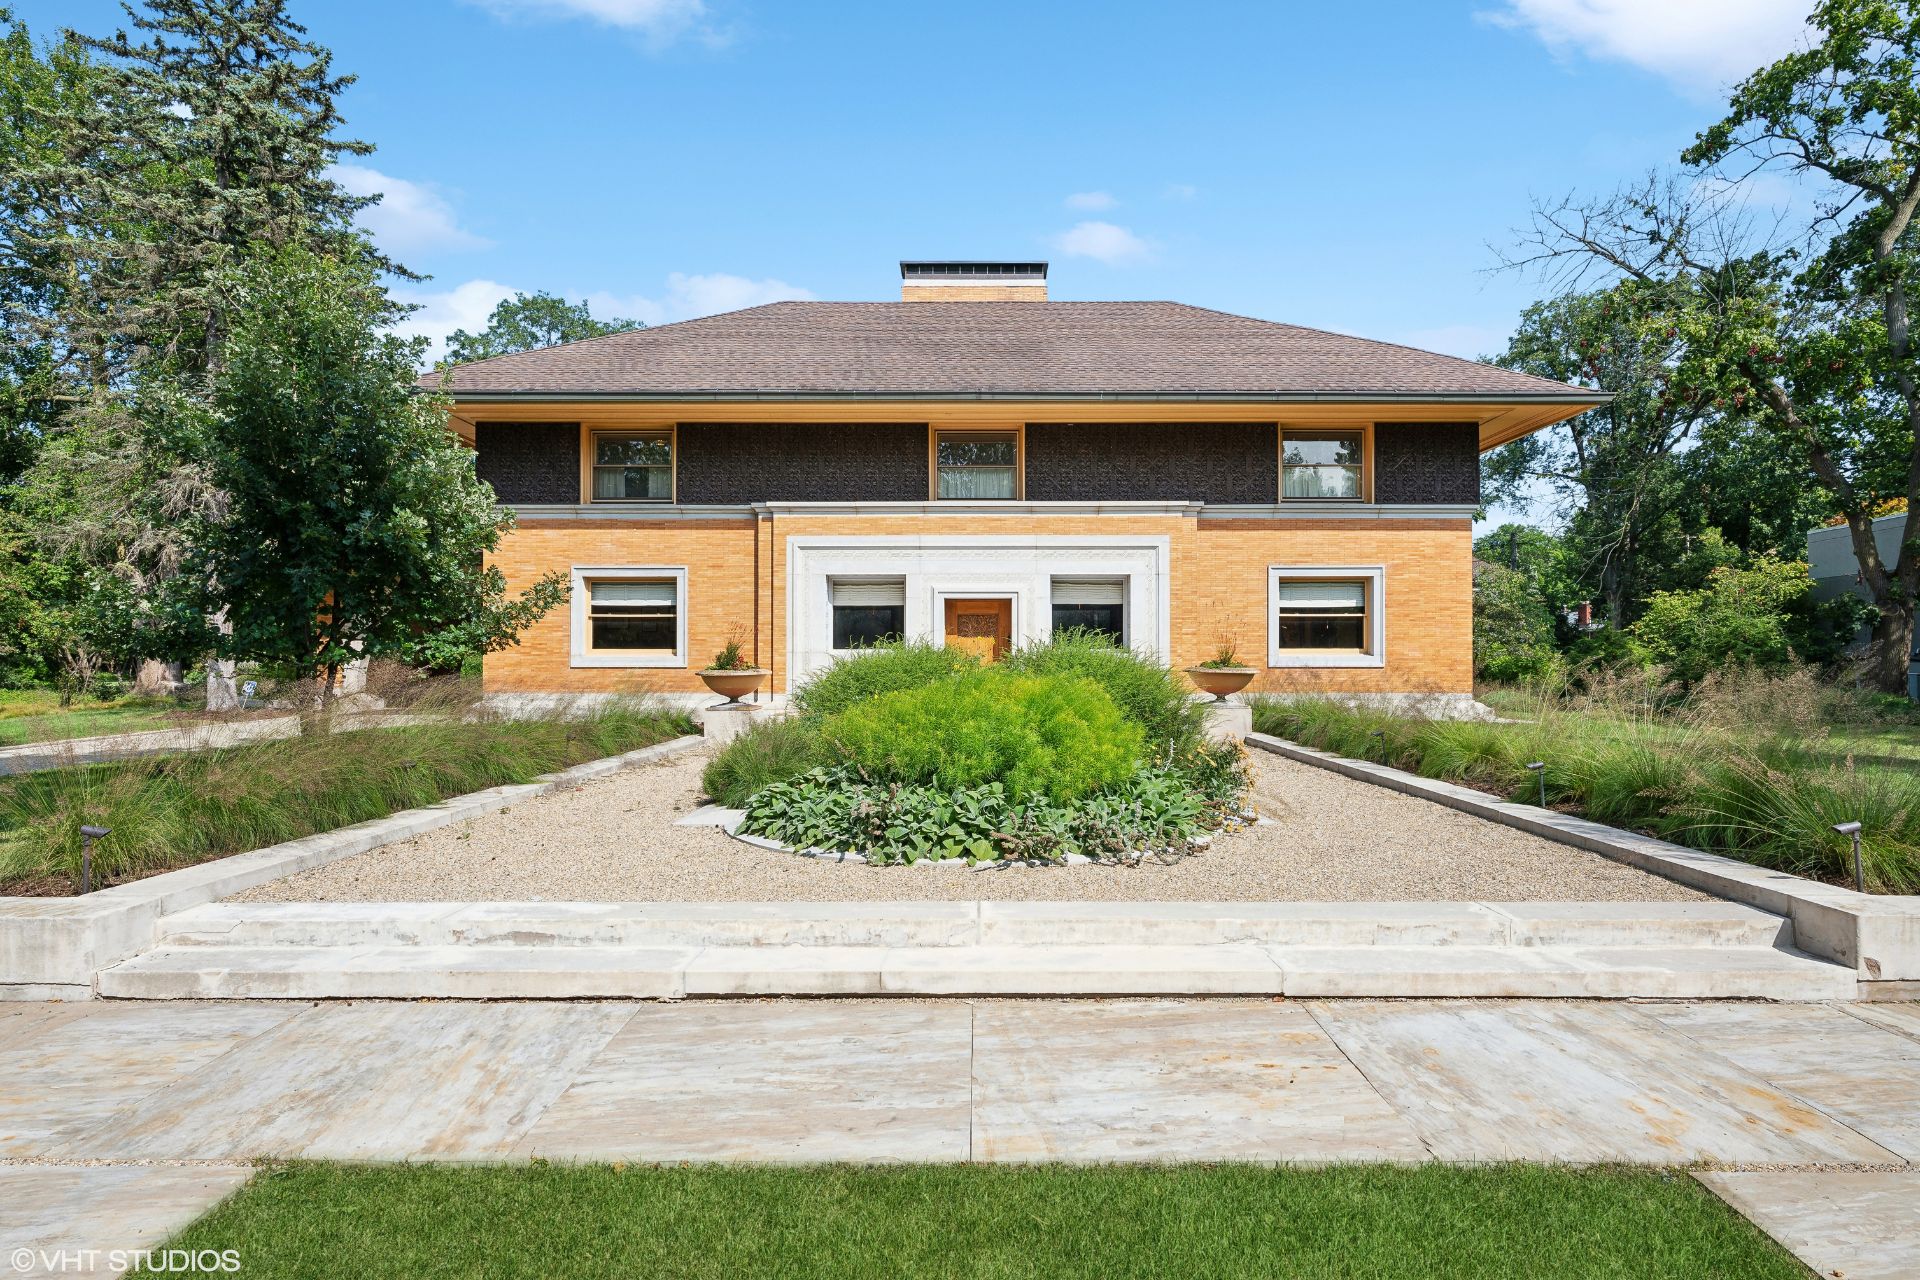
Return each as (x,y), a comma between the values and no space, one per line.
(147,162)
(353,522)
(1759,614)
(527,321)
(1512,626)
(1813,336)
(1613,470)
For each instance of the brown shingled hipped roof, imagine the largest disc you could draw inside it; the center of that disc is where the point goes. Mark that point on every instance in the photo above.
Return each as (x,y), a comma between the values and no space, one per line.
(973,350)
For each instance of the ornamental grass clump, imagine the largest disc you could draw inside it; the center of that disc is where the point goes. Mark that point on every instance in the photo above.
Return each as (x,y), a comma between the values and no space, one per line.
(1747,788)
(1054,736)
(769,751)
(169,811)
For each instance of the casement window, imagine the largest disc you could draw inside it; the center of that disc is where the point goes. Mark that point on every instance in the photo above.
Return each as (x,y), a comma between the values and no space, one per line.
(868,611)
(1322,466)
(976,464)
(1091,604)
(629,616)
(632,466)
(1322,616)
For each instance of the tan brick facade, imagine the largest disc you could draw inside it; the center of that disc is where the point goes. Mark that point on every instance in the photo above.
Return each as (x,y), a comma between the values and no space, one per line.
(737,585)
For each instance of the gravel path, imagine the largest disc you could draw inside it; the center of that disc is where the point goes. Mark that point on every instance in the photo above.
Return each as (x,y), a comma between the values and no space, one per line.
(612,840)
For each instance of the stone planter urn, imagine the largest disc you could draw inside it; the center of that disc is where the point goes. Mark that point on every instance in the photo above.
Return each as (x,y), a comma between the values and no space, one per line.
(1221,681)
(735,684)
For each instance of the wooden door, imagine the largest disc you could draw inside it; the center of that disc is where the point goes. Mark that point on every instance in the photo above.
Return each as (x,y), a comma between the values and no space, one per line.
(983,627)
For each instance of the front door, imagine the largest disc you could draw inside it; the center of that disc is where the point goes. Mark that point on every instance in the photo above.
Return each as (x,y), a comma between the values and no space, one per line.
(983,627)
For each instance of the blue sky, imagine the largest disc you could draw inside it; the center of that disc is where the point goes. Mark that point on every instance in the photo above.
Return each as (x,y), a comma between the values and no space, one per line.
(1344,166)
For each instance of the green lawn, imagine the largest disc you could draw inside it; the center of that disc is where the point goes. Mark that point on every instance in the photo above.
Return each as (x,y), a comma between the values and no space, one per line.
(35,715)
(557,1222)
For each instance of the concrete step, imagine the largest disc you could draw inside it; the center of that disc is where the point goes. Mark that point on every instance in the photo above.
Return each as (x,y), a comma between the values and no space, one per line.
(948,924)
(576,972)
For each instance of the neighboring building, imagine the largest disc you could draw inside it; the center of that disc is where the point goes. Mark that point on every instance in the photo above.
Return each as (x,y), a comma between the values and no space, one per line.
(976,465)
(1836,571)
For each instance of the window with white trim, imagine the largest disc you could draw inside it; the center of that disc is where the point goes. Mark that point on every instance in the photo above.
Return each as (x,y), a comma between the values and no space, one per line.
(1091,604)
(1326,616)
(868,611)
(1322,615)
(629,616)
(639,617)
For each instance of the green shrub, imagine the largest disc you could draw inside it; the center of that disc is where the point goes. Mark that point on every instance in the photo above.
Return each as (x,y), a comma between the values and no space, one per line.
(1512,627)
(885,669)
(768,752)
(1058,736)
(1153,811)
(1148,694)
(174,810)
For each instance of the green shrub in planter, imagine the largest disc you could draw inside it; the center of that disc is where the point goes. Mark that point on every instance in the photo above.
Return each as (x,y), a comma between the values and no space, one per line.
(769,751)
(1148,694)
(1057,736)
(884,669)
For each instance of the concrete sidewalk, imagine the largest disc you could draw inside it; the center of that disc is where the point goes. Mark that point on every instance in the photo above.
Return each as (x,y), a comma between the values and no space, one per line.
(220,1084)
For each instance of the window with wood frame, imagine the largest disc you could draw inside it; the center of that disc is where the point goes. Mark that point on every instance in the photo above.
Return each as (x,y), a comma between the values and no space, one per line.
(632,466)
(1323,466)
(976,465)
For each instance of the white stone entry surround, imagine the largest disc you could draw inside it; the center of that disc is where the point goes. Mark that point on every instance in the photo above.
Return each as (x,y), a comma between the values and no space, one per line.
(937,568)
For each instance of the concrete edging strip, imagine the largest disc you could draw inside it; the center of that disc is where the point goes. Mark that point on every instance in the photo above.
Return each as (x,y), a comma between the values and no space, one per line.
(51,948)
(1877,935)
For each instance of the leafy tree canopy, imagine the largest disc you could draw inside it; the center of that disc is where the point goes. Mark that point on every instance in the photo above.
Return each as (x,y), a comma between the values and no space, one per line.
(527,321)
(353,522)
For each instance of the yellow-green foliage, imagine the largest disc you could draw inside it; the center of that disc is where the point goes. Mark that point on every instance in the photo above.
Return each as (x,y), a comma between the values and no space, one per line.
(1058,736)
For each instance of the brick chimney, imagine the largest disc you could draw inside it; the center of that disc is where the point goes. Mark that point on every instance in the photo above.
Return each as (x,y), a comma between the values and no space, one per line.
(973,282)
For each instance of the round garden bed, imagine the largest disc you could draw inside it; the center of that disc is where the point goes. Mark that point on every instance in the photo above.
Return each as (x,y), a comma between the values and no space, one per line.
(1069,752)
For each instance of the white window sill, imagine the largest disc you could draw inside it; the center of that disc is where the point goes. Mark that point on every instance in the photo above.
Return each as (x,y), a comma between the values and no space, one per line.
(635,659)
(1331,658)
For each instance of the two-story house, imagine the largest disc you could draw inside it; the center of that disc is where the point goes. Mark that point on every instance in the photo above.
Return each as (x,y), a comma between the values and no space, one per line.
(977,465)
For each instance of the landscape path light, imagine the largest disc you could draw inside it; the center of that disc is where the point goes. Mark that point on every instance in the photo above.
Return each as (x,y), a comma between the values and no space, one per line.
(1539,769)
(1853,829)
(87,836)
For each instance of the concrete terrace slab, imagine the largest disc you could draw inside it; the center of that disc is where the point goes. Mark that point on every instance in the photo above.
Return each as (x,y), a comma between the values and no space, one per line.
(352,1082)
(1158,1081)
(1855,1225)
(1902,1017)
(1578,1083)
(61,1214)
(87,1065)
(787,1082)
(1863,1076)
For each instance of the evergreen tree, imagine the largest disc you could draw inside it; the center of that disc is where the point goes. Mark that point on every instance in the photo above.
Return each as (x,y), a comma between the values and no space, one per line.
(149,162)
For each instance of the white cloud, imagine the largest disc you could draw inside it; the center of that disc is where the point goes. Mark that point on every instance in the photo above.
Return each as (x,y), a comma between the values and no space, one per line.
(410,218)
(659,20)
(1103,241)
(688,296)
(1180,191)
(465,306)
(1701,45)
(1090,200)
